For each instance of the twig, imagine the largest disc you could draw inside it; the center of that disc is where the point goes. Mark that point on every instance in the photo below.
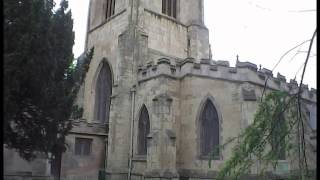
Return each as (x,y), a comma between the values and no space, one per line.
(288,52)
(299,70)
(299,98)
(298,52)
(265,84)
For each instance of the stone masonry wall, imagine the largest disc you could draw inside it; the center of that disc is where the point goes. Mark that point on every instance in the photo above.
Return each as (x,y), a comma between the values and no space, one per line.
(226,86)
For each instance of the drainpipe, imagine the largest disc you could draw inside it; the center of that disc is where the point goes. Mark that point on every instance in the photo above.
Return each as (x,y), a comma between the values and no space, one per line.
(133,90)
(106,155)
(88,27)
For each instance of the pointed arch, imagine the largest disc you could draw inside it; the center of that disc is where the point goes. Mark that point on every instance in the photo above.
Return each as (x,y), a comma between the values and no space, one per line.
(209,128)
(103,63)
(143,131)
(103,91)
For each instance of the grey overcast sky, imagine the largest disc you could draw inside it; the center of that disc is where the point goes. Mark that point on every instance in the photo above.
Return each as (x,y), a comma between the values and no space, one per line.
(259,31)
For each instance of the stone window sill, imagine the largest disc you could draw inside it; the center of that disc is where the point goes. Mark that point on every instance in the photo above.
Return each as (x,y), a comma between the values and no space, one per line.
(206,157)
(141,158)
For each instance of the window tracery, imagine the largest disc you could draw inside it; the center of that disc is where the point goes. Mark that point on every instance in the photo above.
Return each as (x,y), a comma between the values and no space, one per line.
(209,130)
(143,131)
(103,93)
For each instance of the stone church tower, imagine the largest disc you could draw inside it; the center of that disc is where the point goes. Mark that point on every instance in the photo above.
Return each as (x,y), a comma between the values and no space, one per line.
(155,103)
(133,40)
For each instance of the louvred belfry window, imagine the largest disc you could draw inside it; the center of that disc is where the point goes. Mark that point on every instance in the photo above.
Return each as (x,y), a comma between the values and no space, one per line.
(169,7)
(103,93)
(110,8)
(209,130)
(143,131)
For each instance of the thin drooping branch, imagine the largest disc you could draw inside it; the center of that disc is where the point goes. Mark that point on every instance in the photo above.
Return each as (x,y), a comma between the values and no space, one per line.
(307,58)
(299,45)
(299,102)
(287,52)
(254,139)
(298,70)
(246,149)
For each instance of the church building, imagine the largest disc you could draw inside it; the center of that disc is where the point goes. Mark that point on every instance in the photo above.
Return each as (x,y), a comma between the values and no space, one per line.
(155,102)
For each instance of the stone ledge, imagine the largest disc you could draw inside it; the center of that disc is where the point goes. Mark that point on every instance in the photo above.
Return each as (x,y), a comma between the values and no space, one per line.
(107,20)
(222,63)
(203,174)
(140,158)
(88,133)
(165,17)
(205,61)
(268,72)
(157,173)
(246,64)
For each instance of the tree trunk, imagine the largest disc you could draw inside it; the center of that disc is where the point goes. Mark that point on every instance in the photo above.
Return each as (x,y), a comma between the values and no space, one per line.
(56,167)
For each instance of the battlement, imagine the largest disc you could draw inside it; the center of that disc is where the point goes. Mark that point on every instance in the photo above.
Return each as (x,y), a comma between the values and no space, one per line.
(206,68)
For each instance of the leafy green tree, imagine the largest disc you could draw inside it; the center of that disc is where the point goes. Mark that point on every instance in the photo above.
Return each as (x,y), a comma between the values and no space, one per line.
(40,81)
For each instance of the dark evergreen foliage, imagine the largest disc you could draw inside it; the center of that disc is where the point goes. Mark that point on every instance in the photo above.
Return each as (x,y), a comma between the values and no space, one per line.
(40,83)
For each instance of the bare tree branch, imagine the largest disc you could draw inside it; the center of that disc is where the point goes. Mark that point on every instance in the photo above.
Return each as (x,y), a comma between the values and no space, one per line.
(299,101)
(265,84)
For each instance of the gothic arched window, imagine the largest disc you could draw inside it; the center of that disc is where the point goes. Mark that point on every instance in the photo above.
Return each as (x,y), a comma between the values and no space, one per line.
(143,131)
(209,130)
(103,92)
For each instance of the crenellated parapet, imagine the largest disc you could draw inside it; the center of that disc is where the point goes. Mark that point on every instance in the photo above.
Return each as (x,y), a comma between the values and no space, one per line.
(243,72)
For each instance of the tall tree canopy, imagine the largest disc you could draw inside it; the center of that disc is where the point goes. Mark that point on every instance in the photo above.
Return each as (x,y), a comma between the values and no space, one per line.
(40,83)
